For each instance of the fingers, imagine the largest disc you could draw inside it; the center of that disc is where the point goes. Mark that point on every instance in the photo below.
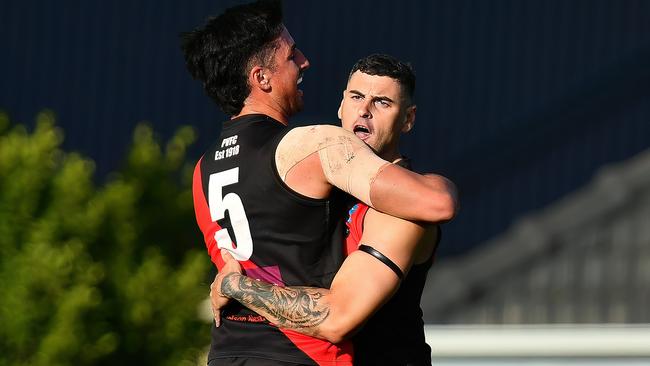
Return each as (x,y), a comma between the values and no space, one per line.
(214,287)
(226,256)
(217,317)
(230,263)
(217,301)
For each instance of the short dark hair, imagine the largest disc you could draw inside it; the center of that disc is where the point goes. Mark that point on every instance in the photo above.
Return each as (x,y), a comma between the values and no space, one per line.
(386,65)
(222,52)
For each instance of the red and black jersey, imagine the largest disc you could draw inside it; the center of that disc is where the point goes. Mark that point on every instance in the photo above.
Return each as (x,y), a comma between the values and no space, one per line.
(394,335)
(278,235)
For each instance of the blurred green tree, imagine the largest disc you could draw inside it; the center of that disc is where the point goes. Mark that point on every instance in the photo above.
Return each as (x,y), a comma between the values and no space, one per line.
(98,274)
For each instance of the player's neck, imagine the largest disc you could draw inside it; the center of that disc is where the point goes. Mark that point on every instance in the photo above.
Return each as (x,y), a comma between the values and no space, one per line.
(259,108)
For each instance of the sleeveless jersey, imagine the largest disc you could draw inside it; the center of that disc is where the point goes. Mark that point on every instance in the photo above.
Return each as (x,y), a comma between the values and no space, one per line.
(278,236)
(394,335)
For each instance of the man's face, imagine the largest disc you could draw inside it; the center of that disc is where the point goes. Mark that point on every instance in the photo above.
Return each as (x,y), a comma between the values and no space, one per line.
(290,63)
(374,109)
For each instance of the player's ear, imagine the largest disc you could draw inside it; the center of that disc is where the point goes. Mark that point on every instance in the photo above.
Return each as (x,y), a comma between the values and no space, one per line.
(410,119)
(259,79)
(338,113)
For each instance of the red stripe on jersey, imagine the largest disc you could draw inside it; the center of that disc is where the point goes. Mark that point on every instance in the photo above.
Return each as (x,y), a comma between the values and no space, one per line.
(322,352)
(355,227)
(204,220)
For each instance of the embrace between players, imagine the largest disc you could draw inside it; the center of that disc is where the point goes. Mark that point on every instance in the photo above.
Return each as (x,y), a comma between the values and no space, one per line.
(322,236)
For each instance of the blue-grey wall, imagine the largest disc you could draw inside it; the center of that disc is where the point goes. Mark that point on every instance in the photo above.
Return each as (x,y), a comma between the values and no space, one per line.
(519,102)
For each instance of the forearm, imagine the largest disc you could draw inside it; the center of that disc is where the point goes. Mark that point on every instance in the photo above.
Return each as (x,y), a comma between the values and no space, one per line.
(349,164)
(429,198)
(359,288)
(303,309)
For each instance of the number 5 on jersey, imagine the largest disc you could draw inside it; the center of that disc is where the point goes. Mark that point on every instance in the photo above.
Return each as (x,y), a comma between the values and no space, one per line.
(238,220)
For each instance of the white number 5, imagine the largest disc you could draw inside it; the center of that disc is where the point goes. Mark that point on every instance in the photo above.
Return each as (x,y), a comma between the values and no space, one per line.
(238,220)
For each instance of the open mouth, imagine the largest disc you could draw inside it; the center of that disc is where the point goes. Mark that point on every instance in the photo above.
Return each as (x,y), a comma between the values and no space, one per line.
(361,131)
(298,83)
(302,73)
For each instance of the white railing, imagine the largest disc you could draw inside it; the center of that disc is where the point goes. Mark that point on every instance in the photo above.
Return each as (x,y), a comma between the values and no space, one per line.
(541,344)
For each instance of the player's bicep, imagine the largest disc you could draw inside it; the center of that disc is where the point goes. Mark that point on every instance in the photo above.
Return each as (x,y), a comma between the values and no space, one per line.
(395,238)
(364,283)
(360,287)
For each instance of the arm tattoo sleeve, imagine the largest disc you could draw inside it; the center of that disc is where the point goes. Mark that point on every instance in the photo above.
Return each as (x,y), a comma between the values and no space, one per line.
(287,307)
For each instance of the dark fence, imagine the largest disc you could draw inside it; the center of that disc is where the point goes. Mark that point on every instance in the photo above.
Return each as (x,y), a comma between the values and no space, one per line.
(518,101)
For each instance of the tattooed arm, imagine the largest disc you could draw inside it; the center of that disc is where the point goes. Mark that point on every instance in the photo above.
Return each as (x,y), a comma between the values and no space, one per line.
(288,307)
(359,288)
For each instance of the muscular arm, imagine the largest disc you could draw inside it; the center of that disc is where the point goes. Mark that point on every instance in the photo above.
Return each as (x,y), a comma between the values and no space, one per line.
(313,159)
(299,308)
(359,288)
(428,198)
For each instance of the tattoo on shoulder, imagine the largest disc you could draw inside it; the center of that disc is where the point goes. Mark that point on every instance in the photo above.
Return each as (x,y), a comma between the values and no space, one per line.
(288,307)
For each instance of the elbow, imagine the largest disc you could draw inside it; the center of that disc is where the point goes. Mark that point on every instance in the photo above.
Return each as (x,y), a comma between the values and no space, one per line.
(442,202)
(441,207)
(336,336)
(336,331)
(446,208)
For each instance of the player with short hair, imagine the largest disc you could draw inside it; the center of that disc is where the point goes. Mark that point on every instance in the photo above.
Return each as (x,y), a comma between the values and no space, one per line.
(377,105)
(264,192)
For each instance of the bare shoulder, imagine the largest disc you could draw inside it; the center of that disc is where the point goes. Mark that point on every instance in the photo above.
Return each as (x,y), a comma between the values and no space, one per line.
(315,135)
(301,142)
